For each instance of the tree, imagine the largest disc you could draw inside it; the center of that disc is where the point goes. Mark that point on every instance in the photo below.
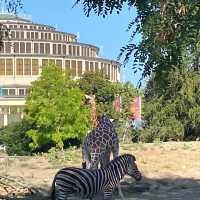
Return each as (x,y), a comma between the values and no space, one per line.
(54,109)
(173,114)
(99,85)
(166,27)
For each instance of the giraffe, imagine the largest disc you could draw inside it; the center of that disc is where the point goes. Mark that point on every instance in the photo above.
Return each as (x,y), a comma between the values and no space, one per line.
(99,144)
(92,102)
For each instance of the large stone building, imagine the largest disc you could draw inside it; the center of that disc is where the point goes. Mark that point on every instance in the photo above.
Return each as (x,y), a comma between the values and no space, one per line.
(28,47)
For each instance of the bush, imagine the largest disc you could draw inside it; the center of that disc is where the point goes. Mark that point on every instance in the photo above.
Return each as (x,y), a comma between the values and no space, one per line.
(14,138)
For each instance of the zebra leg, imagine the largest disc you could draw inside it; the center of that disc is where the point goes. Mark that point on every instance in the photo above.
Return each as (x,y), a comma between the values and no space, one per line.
(115,151)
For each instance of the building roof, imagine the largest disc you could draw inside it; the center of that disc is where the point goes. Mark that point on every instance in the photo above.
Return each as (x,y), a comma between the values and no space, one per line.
(12,17)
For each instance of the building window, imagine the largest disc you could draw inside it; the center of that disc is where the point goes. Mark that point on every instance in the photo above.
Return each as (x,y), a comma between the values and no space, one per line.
(86,66)
(22,35)
(70,50)
(88,50)
(8,47)
(35,67)
(83,51)
(9,67)
(5,91)
(19,66)
(44,62)
(21,92)
(28,47)
(17,34)
(32,35)
(67,65)
(73,69)
(2,67)
(36,49)
(78,50)
(64,50)
(13,34)
(28,35)
(47,48)
(80,68)
(36,35)
(59,63)
(74,50)
(46,36)
(16,47)
(49,36)
(27,66)
(52,61)
(11,92)
(96,67)
(59,49)
(54,49)
(22,47)
(54,37)
(42,36)
(2,47)
(42,48)
(91,66)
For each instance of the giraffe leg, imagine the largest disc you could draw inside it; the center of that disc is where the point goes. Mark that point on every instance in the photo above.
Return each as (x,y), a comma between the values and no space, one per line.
(105,158)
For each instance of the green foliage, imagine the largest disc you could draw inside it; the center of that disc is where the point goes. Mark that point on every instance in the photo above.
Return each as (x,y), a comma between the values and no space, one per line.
(166,28)
(174,114)
(54,109)
(14,138)
(99,85)
(59,158)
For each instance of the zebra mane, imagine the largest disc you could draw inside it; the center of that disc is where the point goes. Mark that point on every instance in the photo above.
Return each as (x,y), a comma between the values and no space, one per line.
(121,157)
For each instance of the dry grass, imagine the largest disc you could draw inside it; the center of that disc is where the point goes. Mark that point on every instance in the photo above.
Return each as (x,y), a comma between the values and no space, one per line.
(163,165)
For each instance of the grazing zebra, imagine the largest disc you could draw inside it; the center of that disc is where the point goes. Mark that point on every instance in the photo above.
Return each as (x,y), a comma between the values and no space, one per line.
(99,143)
(86,183)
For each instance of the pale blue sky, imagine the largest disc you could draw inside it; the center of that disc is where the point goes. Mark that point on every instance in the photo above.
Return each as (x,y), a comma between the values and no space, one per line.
(108,34)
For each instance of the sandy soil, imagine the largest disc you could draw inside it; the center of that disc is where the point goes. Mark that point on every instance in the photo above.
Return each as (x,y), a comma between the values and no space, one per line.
(170,171)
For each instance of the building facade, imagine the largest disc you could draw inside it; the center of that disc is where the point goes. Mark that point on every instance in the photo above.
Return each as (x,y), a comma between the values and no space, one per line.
(26,47)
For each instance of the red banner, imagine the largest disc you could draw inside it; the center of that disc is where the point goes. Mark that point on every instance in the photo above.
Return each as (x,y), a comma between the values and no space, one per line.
(136,108)
(117,103)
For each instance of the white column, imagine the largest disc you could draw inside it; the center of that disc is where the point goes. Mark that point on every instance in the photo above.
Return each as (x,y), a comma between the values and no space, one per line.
(5,123)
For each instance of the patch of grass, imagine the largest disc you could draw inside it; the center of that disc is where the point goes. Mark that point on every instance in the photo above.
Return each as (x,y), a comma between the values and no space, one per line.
(60,158)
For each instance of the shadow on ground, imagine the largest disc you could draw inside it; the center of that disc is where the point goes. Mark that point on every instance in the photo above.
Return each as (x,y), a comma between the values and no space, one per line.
(147,189)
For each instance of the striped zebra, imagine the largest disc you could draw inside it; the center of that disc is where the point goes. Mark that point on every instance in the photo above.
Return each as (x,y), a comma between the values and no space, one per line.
(86,183)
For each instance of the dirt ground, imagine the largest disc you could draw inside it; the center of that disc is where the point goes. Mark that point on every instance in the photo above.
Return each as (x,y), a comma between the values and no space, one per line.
(170,171)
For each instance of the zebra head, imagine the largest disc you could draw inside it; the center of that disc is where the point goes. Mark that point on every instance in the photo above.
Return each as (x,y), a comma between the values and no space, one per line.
(132,169)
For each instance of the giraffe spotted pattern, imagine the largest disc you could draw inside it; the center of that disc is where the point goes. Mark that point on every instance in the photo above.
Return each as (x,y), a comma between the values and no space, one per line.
(99,144)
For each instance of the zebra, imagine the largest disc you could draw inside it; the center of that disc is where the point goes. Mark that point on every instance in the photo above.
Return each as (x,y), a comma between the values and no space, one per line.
(86,183)
(99,144)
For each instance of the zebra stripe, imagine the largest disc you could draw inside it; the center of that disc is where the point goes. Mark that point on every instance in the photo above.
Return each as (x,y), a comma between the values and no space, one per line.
(87,183)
